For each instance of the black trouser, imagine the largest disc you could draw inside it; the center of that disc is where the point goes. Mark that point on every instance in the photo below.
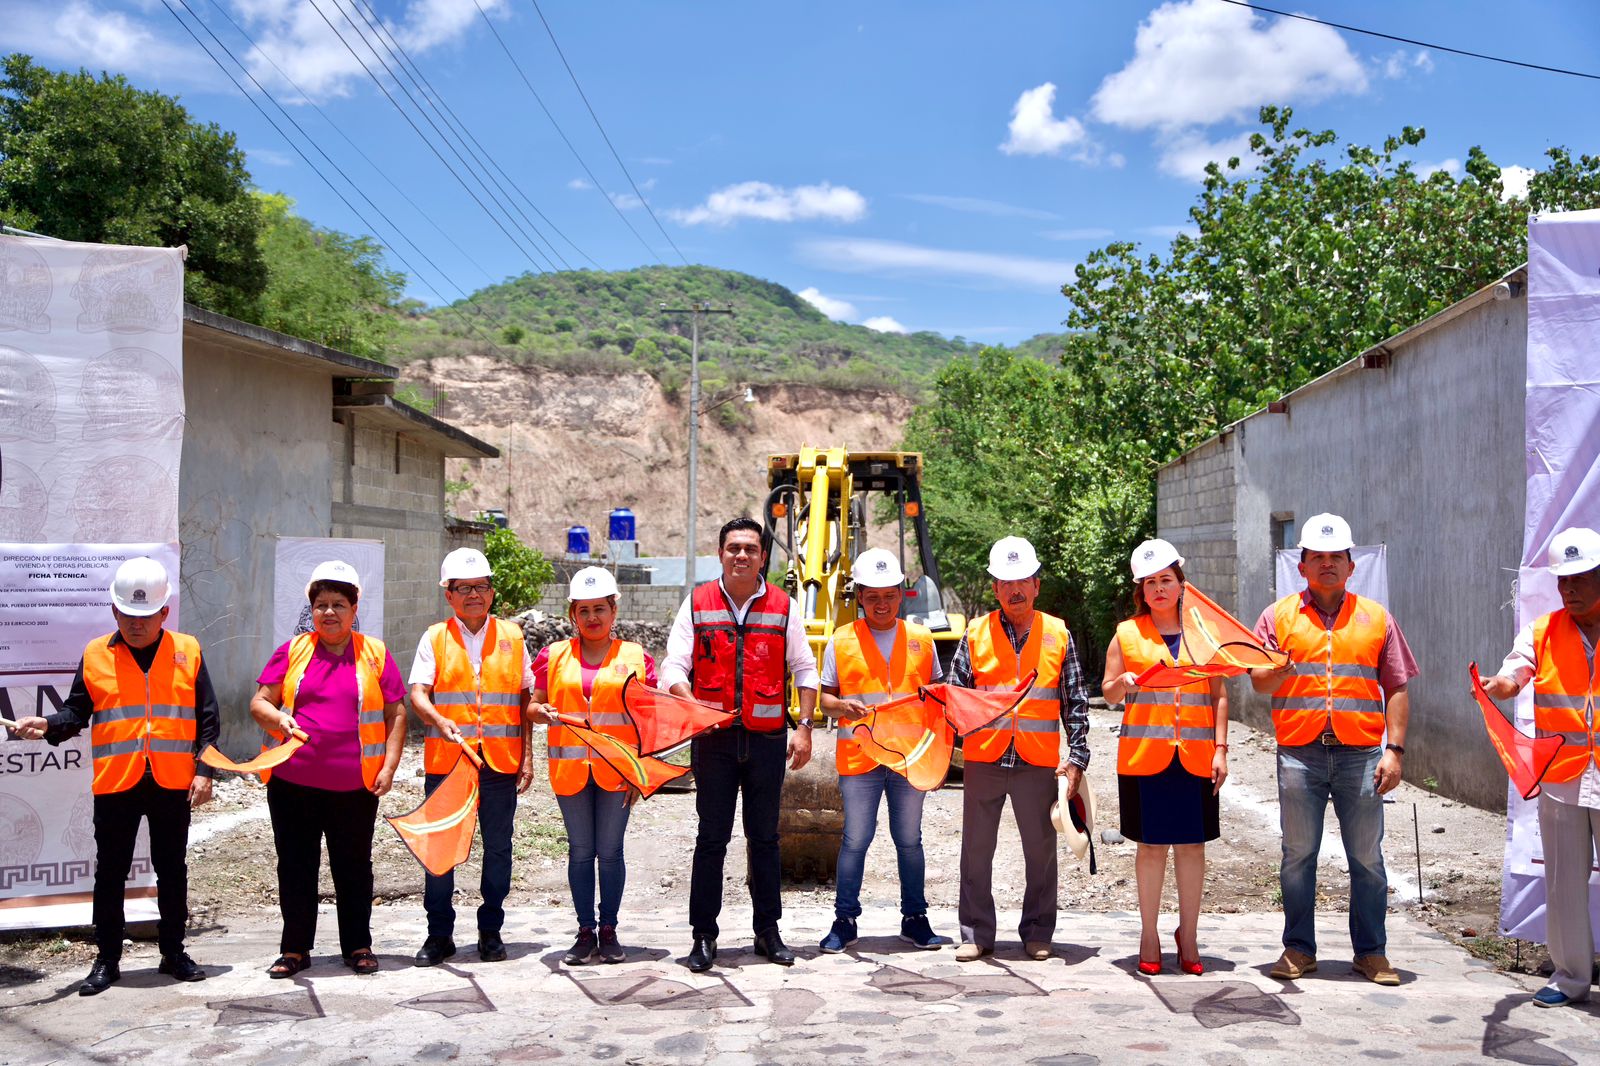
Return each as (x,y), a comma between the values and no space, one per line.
(301,817)
(726,762)
(116,826)
(497,808)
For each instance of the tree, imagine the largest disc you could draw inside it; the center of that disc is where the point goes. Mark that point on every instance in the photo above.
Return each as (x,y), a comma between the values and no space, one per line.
(520,573)
(94,159)
(1297,262)
(324,285)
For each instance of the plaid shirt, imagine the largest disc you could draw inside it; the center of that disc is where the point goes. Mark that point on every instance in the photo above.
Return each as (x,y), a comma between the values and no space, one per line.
(1074,698)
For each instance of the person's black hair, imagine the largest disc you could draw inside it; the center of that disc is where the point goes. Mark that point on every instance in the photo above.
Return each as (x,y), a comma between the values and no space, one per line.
(343,588)
(748,525)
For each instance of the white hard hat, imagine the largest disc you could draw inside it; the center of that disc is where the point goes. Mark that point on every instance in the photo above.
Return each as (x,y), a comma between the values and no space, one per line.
(463,563)
(141,587)
(1152,557)
(877,568)
(1573,551)
(591,583)
(334,570)
(1326,533)
(1012,559)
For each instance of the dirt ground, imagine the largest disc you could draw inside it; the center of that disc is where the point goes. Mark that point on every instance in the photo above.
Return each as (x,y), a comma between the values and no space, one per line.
(232,865)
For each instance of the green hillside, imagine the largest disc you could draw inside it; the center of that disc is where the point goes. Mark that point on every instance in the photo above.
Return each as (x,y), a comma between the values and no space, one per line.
(594,320)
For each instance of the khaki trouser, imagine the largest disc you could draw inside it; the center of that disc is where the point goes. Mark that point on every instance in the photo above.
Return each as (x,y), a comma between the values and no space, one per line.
(985,789)
(1568,833)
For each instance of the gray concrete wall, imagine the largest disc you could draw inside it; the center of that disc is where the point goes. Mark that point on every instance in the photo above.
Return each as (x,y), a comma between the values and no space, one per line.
(1195,511)
(637,603)
(255,466)
(1425,456)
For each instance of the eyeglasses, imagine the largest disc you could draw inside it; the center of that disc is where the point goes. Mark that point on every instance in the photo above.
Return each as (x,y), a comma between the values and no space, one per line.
(481,588)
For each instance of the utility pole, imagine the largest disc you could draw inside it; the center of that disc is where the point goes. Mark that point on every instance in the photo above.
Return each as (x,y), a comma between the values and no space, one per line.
(694,313)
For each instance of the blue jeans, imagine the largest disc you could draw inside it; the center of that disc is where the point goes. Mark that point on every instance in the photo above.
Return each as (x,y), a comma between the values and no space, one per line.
(497,807)
(1308,776)
(861,794)
(596,822)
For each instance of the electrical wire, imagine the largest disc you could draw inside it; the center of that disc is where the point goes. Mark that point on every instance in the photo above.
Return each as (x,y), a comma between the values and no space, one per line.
(614,155)
(1419,44)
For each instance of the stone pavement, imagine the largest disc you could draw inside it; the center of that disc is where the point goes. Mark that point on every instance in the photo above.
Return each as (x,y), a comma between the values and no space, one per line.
(881,1002)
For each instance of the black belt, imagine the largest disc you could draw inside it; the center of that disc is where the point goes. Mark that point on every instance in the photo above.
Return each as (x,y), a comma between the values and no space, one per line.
(1331,740)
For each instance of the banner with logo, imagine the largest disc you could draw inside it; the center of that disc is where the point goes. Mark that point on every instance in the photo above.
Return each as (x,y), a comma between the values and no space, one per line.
(91,433)
(298,556)
(1563,466)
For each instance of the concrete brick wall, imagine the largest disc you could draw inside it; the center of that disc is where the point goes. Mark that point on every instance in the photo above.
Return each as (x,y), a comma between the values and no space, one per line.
(1195,511)
(639,603)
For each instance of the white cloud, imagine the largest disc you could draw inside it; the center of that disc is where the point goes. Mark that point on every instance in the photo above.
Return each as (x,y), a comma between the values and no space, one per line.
(773,203)
(110,36)
(579,184)
(1399,63)
(884,324)
(1085,233)
(83,34)
(1451,166)
(976,206)
(894,258)
(1514,182)
(1185,154)
(270,156)
(626,201)
(1202,62)
(833,308)
(1034,128)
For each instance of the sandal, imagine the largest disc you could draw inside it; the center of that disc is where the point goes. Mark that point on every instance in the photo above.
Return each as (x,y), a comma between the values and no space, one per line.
(288,966)
(362,961)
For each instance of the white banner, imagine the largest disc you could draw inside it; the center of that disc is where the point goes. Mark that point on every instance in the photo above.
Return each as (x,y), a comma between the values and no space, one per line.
(298,556)
(55,598)
(91,433)
(1563,466)
(1371,577)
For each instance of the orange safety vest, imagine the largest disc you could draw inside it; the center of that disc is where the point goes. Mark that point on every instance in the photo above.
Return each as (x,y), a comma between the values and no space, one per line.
(370,655)
(140,717)
(864,676)
(1155,721)
(1035,726)
(572,762)
(1335,681)
(1565,690)
(485,703)
(742,667)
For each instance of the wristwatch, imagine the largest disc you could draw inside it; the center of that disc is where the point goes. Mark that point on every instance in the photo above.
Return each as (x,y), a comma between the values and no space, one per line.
(1397,749)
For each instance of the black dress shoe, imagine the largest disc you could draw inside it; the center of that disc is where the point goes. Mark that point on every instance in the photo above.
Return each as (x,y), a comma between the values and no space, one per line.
(181,967)
(491,948)
(435,950)
(101,976)
(771,946)
(703,954)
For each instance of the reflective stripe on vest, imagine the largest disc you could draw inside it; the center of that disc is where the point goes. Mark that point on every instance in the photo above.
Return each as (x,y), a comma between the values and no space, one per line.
(572,762)
(863,675)
(141,718)
(484,703)
(370,657)
(1035,726)
(1565,690)
(737,666)
(1335,682)
(1158,723)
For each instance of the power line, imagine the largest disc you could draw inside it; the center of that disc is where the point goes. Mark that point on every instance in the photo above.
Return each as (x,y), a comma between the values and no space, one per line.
(1419,44)
(570,147)
(614,155)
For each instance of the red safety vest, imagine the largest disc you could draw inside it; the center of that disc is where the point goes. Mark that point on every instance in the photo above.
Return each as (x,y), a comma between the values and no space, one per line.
(572,762)
(1335,681)
(1035,725)
(485,704)
(370,656)
(1157,722)
(140,717)
(864,676)
(742,668)
(1565,691)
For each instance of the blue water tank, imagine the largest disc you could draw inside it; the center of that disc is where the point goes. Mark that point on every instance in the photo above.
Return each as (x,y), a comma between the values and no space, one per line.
(622,525)
(578,540)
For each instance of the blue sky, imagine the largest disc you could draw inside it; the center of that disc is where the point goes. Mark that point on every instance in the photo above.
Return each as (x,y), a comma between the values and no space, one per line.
(911,166)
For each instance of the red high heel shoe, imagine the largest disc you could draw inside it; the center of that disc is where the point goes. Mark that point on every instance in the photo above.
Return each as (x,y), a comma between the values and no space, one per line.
(1190,966)
(1150,969)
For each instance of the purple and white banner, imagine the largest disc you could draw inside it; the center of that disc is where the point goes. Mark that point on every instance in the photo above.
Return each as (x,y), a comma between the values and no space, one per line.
(1563,464)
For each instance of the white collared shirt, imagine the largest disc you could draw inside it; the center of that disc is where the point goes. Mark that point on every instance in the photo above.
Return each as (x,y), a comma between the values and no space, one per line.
(1520,666)
(679,662)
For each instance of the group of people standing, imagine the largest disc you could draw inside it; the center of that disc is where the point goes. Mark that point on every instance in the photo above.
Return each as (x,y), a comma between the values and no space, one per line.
(1339,711)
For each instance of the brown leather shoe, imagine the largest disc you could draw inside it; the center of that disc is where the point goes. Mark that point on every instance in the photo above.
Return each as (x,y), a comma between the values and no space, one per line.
(1037,950)
(1293,965)
(972,953)
(1376,969)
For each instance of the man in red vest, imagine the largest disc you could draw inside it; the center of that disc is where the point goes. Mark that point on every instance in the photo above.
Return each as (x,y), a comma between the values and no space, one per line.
(1343,689)
(1556,653)
(145,697)
(737,642)
(470,681)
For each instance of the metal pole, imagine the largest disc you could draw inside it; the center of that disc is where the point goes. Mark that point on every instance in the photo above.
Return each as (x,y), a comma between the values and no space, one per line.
(1416,829)
(694,451)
